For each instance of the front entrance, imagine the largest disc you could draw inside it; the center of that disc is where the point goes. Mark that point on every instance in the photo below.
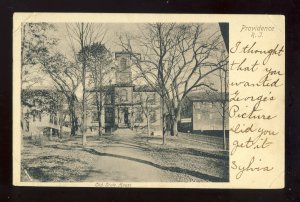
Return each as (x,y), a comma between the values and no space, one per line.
(109,119)
(123,120)
(126,116)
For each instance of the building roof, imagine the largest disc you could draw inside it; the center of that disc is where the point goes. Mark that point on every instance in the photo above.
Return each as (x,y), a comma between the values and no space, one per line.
(207,96)
(143,88)
(123,52)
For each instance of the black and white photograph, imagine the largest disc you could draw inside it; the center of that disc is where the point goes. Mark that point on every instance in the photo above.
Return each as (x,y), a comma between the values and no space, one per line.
(124,102)
(137,101)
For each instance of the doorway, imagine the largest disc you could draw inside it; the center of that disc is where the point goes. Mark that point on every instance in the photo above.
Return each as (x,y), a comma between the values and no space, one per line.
(126,121)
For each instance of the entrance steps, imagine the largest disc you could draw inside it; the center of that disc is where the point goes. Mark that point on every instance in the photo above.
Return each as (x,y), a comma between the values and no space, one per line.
(124,131)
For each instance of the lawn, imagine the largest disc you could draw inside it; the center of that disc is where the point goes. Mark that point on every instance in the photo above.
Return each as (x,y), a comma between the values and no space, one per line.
(56,161)
(182,159)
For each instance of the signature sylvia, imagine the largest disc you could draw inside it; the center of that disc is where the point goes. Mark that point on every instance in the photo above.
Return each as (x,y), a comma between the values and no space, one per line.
(250,167)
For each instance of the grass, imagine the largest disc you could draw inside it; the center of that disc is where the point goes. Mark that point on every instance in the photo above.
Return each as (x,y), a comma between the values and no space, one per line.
(48,164)
(182,160)
(55,168)
(205,162)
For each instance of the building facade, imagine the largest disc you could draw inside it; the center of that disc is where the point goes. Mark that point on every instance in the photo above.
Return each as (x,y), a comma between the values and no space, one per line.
(125,104)
(43,112)
(204,112)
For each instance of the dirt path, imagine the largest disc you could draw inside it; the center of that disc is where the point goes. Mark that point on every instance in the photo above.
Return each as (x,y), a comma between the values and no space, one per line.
(123,160)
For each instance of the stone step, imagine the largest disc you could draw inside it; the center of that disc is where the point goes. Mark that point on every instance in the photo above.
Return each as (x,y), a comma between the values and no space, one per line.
(124,131)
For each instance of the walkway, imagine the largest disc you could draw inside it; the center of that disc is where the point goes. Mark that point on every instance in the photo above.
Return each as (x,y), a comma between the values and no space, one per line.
(123,160)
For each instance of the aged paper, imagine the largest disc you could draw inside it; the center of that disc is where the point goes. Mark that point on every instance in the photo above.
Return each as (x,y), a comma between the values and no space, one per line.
(148,100)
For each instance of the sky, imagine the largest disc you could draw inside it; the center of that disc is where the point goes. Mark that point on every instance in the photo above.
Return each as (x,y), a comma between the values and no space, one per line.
(111,40)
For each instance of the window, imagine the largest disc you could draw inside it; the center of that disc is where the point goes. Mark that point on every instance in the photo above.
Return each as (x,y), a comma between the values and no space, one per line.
(123,63)
(123,95)
(33,117)
(138,116)
(152,116)
(40,117)
(197,105)
(109,115)
(55,120)
(126,78)
(108,99)
(137,97)
(151,98)
(198,116)
(95,116)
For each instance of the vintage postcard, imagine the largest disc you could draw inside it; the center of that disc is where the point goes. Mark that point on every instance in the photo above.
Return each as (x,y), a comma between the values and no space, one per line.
(148,100)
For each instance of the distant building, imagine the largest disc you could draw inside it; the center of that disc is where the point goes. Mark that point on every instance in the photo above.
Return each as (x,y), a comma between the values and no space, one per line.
(202,112)
(41,113)
(126,104)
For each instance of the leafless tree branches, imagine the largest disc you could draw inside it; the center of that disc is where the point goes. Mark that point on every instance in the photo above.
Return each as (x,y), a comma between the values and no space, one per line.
(176,59)
(82,35)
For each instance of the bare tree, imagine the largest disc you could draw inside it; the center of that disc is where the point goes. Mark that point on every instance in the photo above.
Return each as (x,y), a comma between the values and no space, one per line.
(99,65)
(145,100)
(222,104)
(176,59)
(82,35)
(67,79)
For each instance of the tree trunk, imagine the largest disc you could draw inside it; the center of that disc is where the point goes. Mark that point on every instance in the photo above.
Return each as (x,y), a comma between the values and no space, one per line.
(99,113)
(148,125)
(83,79)
(224,112)
(83,126)
(51,133)
(224,142)
(22,126)
(175,128)
(99,124)
(83,138)
(72,116)
(162,117)
(164,130)
(73,123)
(164,137)
(83,110)
(171,127)
(83,122)
(60,131)
(41,138)
(175,120)
(60,123)
(224,129)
